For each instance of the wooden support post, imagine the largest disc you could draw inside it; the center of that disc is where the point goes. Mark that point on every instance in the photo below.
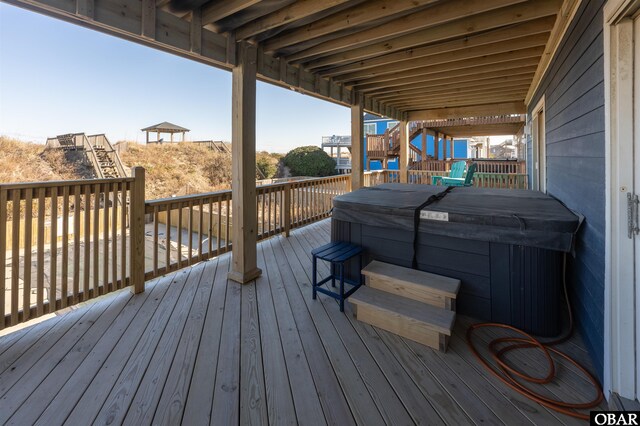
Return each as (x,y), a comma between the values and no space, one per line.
(404,151)
(436,146)
(357,144)
(136,230)
(445,143)
(147,132)
(424,145)
(243,151)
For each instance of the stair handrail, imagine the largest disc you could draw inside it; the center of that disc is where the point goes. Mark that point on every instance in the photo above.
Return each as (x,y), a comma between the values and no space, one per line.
(90,153)
(101,140)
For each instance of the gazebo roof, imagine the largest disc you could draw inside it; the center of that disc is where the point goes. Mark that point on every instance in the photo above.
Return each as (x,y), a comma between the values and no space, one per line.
(165,127)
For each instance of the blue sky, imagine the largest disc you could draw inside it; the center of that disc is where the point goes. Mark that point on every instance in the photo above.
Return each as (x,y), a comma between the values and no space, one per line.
(56,77)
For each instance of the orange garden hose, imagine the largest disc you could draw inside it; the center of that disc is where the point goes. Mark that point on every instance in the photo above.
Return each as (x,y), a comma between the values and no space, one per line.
(507,373)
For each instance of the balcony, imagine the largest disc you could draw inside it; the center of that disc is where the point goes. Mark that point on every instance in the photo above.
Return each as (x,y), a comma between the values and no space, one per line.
(196,348)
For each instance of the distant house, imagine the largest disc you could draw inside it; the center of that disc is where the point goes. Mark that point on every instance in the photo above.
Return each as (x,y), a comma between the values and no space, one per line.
(339,147)
(377,125)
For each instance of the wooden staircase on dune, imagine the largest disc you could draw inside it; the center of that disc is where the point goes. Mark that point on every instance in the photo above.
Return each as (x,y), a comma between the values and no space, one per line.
(97,149)
(414,304)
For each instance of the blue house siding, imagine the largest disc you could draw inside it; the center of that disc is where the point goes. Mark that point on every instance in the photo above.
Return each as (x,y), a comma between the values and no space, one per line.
(460,148)
(575,144)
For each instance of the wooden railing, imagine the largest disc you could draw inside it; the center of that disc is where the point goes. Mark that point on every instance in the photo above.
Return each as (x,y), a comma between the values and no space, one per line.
(484,165)
(67,242)
(201,225)
(480,180)
(64,243)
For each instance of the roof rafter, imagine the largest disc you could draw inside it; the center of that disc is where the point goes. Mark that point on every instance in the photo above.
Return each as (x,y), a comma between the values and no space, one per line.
(361,14)
(461,28)
(294,12)
(438,14)
(531,28)
(451,59)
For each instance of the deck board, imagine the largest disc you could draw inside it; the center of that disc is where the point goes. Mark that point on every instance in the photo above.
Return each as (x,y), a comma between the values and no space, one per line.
(195,348)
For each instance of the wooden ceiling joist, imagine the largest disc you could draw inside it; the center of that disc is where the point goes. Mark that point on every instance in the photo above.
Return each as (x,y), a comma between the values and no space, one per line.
(478,110)
(498,69)
(460,101)
(443,80)
(367,12)
(512,32)
(464,27)
(481,130)
(449,93)
(449,58)
(216,10)
(438,14)
(458,87)
(294,12)
(399,58)
(484,61)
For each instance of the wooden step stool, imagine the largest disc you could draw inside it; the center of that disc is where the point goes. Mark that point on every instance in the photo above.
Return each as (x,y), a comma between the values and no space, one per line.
(413,304)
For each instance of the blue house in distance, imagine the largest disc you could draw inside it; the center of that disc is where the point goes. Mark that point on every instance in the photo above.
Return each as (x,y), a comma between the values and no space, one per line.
(376,125)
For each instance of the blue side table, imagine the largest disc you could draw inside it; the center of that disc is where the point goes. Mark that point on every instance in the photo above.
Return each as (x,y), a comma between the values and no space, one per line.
(337,253)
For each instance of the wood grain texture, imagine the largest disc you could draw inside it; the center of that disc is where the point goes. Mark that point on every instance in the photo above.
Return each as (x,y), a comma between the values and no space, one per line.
(175,354)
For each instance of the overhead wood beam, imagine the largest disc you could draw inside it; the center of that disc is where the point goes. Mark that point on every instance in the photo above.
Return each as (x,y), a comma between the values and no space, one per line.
(484,130)
(462,101)
(368,11)
(438,14)
(404,151)
(498,69)
(357,144)
(243,160)
(426,68)
(148,19)
(216,10)
(468,111)
(196,32)
(453,58)
(448,103)
(565,17)
(443,94)
(459,87)
(294,12)
(85,8)
(443,80)
(464,27)
(532,28)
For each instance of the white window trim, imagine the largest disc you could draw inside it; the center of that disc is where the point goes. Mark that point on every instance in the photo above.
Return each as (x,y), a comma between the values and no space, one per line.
(539,153)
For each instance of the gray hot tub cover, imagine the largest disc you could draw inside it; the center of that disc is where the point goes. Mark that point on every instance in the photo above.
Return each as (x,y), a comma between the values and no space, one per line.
(519,217)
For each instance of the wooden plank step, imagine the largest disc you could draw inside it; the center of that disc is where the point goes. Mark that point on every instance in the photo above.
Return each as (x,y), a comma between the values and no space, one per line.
(408,318)
(421,286)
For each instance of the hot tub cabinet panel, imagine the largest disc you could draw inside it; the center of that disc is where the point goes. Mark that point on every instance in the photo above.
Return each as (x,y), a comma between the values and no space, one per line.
(510,283)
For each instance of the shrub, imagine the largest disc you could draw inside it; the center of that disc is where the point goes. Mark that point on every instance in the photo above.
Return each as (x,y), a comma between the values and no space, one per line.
(267,163)
(310,161)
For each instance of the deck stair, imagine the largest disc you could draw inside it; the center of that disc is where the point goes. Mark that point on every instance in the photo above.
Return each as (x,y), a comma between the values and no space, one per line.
(414,304)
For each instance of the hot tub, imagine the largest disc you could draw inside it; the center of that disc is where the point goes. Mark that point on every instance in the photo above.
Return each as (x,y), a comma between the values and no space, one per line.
(505,246)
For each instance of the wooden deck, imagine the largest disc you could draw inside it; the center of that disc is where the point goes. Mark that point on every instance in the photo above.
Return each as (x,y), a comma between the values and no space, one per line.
(197,349)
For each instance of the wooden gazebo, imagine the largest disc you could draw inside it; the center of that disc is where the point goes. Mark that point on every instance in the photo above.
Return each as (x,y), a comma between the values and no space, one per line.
(164,127)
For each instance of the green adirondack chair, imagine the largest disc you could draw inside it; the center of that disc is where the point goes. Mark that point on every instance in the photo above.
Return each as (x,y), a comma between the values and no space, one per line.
(466,181)
(457,172)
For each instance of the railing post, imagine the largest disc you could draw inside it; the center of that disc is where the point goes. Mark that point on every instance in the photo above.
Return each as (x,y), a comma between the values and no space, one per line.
(136,230)
(287,209)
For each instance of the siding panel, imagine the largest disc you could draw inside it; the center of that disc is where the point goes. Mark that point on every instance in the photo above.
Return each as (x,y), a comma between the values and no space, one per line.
(574,96)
